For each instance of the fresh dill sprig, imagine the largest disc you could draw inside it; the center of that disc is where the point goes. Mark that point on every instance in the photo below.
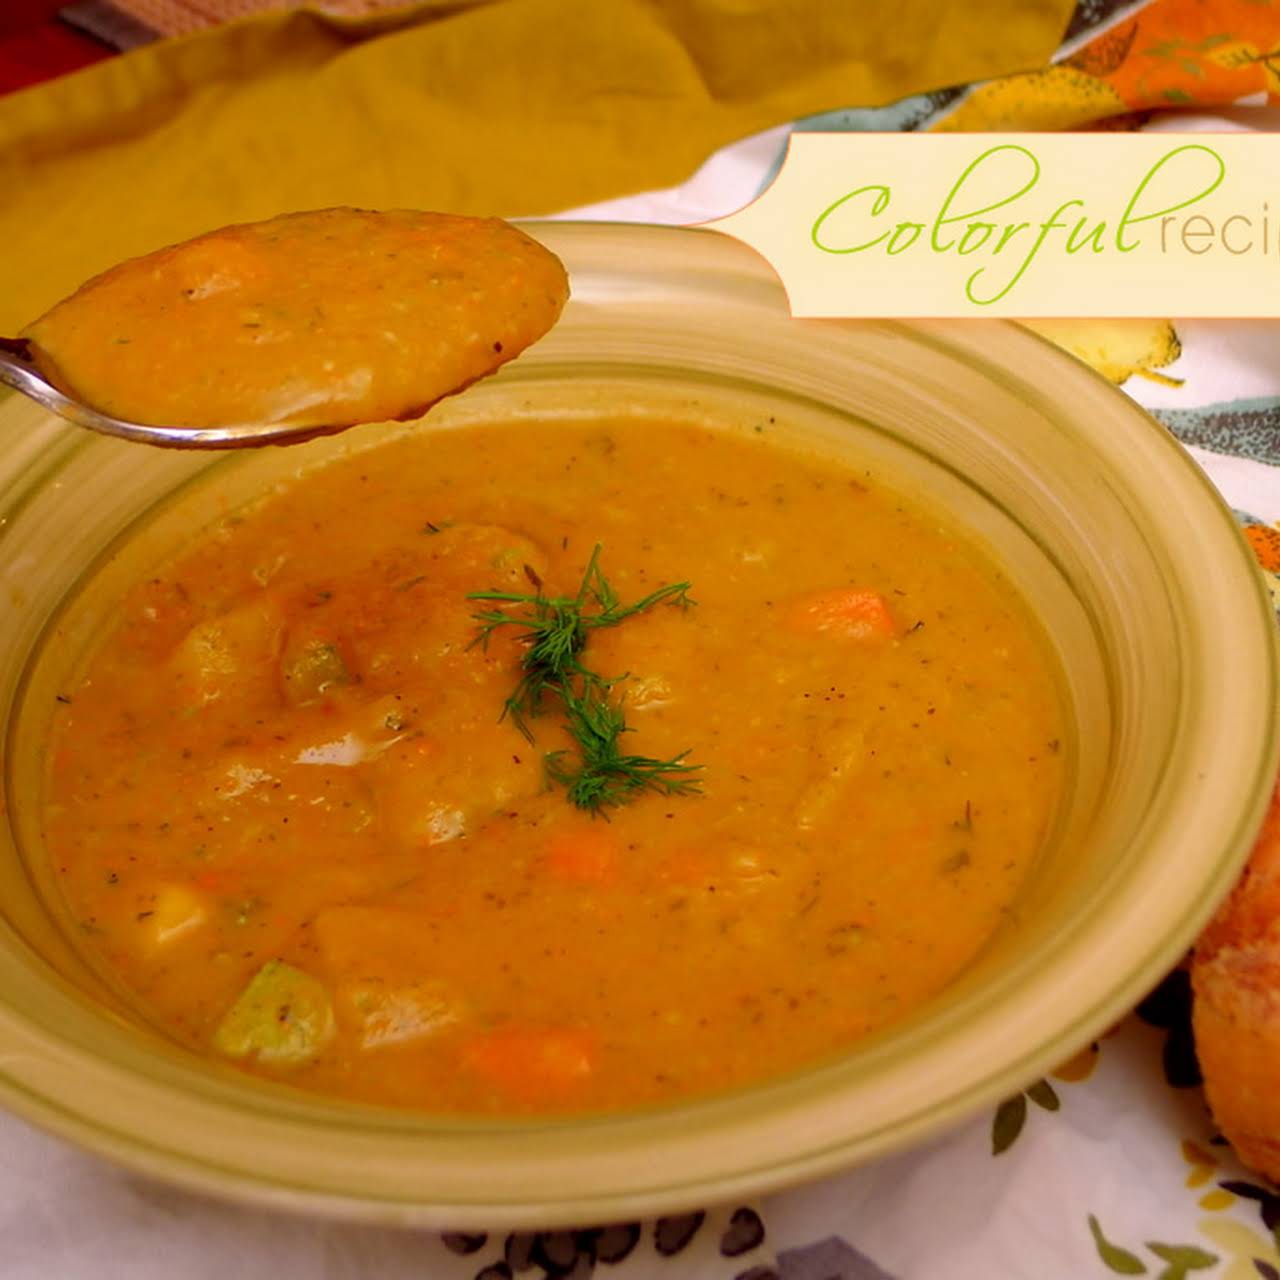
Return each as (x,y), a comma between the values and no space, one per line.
(554,631)
(553,637)
(603,775)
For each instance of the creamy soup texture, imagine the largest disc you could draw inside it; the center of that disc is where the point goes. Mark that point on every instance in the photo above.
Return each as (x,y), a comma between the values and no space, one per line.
(290,816)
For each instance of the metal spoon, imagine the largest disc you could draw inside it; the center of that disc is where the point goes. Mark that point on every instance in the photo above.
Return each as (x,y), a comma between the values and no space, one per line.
(18,371)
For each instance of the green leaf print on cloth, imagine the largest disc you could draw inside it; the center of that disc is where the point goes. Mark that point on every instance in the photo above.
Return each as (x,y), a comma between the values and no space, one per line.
(1043,1094)
(1011,1114)
(1179,1259)
(1119,1260)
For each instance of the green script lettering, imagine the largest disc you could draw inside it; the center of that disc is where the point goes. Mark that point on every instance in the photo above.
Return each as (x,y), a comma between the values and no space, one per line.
(946,217)
(984,229)
(1049,224)
(878,206)
(1078,237)
(1128,219)
(915,228)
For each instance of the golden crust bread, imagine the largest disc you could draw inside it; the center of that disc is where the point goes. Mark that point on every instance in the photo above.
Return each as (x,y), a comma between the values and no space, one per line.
(1235,978)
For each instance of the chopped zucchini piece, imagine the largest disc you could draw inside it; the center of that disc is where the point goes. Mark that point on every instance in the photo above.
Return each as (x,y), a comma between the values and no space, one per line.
(312,671)
(284,1016)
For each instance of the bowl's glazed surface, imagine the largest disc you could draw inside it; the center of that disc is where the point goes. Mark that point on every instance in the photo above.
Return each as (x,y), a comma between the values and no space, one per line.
(1112,534)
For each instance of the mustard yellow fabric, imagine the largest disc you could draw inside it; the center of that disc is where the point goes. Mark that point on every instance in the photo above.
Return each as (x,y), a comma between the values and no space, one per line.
(512,107)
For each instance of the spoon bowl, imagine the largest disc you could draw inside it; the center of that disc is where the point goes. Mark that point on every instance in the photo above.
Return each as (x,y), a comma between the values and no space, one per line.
(299,326)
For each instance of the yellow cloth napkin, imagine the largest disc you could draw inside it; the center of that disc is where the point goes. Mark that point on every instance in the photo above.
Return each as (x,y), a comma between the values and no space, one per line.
(509,107)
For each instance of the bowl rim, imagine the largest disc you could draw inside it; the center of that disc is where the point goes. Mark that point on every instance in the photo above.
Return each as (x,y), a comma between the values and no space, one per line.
(94,1130)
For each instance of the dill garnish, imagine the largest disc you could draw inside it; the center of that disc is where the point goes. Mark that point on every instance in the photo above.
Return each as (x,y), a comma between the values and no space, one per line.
(554,631)
(603,775)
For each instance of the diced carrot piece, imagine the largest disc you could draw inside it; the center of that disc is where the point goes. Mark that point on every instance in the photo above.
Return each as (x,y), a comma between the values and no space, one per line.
(847,613)
(591,855)
(532,1064)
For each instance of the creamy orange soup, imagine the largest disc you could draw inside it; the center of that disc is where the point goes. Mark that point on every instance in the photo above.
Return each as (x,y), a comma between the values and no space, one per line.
(290,815)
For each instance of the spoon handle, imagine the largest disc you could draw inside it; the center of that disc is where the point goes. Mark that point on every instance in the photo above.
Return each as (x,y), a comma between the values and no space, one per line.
(17,370)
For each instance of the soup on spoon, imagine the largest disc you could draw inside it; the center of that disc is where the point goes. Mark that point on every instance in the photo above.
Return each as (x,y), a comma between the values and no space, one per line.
(322,319)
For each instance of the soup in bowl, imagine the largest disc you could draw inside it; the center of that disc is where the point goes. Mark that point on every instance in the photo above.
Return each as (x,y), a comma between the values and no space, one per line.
(717,749)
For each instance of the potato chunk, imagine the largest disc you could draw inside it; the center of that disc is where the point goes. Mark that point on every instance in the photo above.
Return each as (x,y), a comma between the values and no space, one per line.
(177,912)
(387,1013)
(429,791)
(231,657)
(380,961)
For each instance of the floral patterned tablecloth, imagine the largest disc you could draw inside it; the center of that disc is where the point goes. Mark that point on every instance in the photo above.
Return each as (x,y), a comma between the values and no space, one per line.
(1111,1164)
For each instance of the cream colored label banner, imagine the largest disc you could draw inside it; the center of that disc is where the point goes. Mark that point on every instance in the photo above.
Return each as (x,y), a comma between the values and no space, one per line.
(1023,224)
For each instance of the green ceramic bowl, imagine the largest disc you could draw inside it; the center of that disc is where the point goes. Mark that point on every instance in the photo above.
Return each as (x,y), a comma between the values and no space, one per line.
(1133,564)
